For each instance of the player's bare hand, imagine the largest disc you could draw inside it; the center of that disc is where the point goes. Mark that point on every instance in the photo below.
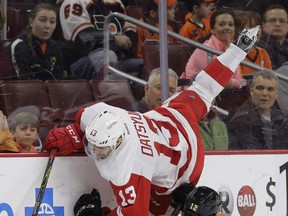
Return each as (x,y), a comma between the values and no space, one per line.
(123,41)
(3,122)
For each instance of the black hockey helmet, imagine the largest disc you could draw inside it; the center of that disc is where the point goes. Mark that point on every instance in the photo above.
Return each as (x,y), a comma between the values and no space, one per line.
(202,201)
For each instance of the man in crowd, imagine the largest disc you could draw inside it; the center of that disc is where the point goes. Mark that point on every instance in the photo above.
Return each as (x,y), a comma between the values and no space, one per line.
(152,97)
(258,124)
(274,31)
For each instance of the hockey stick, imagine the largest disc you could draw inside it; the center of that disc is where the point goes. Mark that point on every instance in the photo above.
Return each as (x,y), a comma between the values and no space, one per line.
(44,182)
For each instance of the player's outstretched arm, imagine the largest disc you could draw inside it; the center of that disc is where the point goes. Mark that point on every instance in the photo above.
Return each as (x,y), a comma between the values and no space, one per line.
(213,78)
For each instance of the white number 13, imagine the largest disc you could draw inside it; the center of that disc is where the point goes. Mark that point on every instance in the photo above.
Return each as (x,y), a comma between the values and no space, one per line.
(128,196)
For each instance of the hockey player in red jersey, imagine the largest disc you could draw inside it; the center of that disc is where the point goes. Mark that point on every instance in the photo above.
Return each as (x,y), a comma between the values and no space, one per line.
(145,157)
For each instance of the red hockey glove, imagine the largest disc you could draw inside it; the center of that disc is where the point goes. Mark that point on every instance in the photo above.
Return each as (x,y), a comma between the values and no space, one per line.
(66,140)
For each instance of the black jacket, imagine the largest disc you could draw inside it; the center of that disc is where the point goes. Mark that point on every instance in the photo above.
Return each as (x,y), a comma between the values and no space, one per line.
(277,53)
(247,131)
(29,62)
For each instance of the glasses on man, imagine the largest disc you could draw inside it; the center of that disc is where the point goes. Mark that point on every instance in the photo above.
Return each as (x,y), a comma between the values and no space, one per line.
(262,88)
(274,21)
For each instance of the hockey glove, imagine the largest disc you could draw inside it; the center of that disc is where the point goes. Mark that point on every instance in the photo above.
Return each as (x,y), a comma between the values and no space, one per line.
(66,140)
(88,204)
(180,195)
(247,39)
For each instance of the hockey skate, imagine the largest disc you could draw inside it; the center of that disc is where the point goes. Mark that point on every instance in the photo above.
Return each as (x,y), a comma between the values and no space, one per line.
(247,38)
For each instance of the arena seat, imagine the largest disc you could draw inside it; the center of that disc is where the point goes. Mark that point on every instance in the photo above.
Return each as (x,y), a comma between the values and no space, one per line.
(113,92)
(15,94)
(178,56)
(16,21)
(231,100)
(67,96)
(5,61)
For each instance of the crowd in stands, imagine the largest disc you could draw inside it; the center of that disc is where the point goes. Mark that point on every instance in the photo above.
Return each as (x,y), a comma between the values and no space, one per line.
(40,52)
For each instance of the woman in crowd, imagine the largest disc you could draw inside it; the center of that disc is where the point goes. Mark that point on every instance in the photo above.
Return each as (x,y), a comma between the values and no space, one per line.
(34,54)
(222,24)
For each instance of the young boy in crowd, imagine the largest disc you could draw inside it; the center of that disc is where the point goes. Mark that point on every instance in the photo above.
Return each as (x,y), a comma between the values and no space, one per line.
(25,130)
(196,25)
(6,140)
(151,17)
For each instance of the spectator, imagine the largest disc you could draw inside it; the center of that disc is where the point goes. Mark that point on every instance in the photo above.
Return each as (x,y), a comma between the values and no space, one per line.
(25,129)
(34,54)
(151,17)
(223,31)
(152,97)
(257,124)
(82,23)
(257,55)
(6,140)
(212,129)
(214,133)
(274,31)
(283,88)
(195,27)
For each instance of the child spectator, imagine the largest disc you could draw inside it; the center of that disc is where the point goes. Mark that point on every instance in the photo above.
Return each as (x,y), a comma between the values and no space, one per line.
(195,27)
(151,17)
(34,54)
(25,129)
(257,55)
(6,140)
